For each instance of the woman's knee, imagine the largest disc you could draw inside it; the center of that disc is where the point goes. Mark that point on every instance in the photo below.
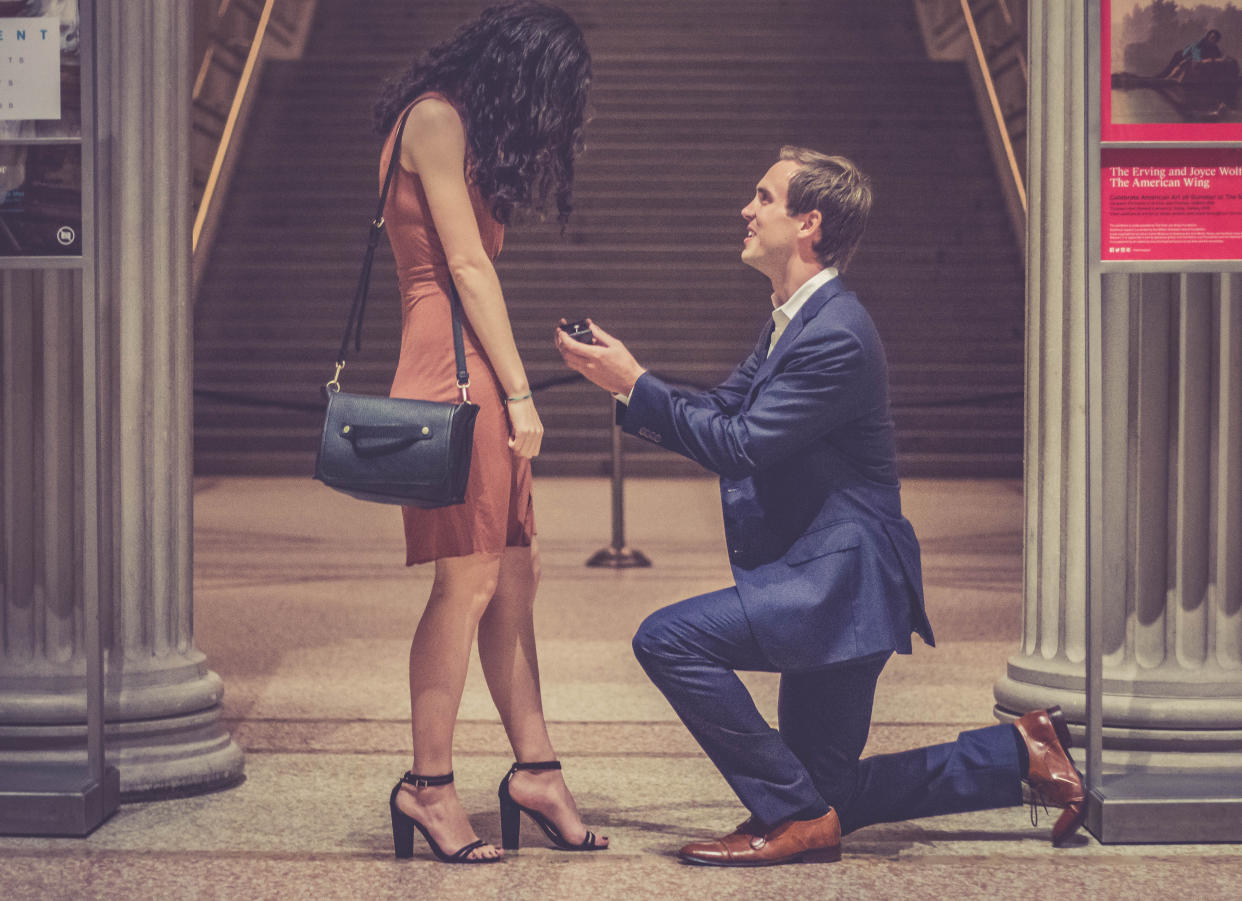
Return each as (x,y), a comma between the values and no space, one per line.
(470,580)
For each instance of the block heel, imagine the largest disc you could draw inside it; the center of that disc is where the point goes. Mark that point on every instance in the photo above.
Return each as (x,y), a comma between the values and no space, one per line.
(510,820)
(402,828)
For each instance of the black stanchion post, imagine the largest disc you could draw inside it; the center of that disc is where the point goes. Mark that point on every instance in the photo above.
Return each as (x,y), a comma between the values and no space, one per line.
(618,556)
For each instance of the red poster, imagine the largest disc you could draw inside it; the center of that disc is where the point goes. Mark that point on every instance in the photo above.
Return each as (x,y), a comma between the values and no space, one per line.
(1170,203)
(1169,71)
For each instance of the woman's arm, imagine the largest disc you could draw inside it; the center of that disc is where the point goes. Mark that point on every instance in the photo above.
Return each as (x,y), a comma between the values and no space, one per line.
(434,146)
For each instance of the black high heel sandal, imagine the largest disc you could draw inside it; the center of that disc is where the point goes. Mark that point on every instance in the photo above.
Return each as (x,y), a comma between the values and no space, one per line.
(511,811)
(403,826)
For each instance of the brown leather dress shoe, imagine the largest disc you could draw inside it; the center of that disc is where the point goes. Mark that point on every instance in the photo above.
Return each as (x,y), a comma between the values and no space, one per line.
(817,840)
(1052,776)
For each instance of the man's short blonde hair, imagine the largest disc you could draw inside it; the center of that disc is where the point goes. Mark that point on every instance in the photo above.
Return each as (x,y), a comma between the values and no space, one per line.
(839,191)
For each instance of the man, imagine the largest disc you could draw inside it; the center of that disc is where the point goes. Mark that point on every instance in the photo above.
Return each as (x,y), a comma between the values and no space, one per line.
(828,580)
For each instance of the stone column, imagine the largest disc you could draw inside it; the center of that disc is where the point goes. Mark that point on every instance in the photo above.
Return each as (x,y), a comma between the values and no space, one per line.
(162,703)
(1171,423)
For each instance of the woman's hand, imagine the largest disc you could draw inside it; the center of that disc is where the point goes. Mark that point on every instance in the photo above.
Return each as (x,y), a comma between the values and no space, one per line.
(525,429)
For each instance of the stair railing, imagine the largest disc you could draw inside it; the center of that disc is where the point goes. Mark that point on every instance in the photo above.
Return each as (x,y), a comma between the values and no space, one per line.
(998,124)
(242,35)
(990,37)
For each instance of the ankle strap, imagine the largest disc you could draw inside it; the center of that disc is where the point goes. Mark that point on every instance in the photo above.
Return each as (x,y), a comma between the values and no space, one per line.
(427,781)
(539,765)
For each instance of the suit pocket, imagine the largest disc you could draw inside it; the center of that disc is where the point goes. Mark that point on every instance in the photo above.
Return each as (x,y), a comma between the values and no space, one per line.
(831,539)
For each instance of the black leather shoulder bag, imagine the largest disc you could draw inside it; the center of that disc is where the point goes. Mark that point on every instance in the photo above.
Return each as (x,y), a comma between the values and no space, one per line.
(395,450)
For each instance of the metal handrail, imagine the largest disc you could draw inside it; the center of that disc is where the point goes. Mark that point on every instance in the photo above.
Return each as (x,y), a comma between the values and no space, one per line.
(230,125)
(985,72)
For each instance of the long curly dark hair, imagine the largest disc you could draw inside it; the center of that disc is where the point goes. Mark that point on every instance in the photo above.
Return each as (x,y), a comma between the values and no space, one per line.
(518,75)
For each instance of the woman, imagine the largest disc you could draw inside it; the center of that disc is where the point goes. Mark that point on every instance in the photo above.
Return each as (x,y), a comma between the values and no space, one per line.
(495,118)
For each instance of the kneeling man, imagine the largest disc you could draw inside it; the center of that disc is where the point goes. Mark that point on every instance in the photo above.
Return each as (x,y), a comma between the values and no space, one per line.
(828,580)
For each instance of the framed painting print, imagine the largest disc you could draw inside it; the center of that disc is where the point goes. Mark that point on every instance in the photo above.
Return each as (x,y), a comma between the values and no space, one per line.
(1169,71)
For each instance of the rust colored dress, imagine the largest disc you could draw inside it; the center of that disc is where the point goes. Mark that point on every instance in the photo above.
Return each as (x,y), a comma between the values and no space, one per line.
(498,511)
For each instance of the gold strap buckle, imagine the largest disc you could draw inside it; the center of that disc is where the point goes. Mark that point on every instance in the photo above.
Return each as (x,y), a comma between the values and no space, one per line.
(465,394)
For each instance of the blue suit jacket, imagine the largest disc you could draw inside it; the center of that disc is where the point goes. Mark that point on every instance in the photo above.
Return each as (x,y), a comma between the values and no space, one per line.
(827,567)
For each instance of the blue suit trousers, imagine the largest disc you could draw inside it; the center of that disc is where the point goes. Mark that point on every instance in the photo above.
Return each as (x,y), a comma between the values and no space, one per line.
(691,651)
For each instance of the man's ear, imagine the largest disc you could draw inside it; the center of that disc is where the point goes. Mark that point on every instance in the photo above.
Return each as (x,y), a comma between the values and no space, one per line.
(810,225)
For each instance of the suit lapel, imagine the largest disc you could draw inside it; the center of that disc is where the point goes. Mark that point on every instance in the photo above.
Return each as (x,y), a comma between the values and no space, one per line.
(813,305)
(761,347)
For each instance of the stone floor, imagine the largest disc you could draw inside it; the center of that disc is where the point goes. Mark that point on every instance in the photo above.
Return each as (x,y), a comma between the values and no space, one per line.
(303,607)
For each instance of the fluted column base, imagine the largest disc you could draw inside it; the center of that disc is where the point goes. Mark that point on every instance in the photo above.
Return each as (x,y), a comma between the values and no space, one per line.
(1156,721)
(163,729)
(176,755)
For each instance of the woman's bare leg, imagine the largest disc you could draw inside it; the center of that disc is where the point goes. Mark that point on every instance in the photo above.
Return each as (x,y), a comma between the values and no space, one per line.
(439,657)
(511,667)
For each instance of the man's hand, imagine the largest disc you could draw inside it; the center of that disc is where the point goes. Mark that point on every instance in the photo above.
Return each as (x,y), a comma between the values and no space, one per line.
(607,362)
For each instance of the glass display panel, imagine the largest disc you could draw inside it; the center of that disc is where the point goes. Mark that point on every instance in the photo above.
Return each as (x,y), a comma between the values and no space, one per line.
(40,200)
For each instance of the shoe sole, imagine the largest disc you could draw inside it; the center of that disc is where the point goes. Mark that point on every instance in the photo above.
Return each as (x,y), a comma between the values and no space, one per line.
(819,855)
(1057,717)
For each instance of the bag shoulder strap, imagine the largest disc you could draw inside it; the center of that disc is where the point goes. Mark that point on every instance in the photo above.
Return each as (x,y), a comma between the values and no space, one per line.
(354,323)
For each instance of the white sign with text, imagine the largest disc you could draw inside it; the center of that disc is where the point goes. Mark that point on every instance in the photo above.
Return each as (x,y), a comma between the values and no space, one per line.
(30,68)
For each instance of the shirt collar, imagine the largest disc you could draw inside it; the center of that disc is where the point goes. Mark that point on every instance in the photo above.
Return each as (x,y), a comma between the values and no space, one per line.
(789,309)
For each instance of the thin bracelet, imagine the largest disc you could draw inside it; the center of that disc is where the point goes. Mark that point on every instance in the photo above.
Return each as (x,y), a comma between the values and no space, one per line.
(518,397)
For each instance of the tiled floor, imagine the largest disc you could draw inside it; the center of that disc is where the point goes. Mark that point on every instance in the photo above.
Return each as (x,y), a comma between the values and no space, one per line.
(303,607)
